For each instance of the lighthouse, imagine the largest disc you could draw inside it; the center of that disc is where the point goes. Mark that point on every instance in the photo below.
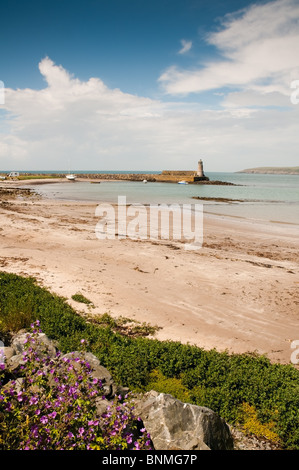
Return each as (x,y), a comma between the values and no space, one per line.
(200,176)
(200,172)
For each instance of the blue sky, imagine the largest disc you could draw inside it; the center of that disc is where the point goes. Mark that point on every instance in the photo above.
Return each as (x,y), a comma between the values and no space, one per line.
(126,43)
(143,85)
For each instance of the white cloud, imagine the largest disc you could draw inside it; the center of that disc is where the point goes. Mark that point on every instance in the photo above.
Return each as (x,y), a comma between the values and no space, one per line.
(186,46)
(258,48)
(98,128)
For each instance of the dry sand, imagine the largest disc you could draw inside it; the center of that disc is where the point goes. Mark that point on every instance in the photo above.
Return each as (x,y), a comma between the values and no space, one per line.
(238,293)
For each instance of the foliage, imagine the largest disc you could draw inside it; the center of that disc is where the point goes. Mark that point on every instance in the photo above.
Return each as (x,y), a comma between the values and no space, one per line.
(220,381)
(34,177)
(252,425)
(53,407)
(124,326)
(81,298)
(162,384)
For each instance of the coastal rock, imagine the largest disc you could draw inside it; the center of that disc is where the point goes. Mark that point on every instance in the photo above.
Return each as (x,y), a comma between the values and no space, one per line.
(110,388)
(174,425)
(13,353)
(8,352)
(45,344)
(14,362)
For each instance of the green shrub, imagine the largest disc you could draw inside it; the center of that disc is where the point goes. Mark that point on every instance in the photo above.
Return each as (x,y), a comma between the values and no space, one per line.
(81,298)
(252,425)
(162,384)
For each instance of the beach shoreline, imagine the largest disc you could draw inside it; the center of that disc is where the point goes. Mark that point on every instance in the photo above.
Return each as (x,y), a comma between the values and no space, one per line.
(238,293)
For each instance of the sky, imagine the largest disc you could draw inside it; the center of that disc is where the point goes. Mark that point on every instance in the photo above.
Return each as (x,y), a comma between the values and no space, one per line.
(144,85)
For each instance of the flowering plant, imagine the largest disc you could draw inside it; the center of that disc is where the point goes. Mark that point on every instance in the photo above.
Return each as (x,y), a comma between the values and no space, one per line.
(51,404)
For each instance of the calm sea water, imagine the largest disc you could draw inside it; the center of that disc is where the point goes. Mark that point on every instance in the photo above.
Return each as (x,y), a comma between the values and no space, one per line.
(264,197)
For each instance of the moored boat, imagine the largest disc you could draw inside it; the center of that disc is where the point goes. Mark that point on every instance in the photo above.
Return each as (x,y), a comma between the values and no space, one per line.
(71,177)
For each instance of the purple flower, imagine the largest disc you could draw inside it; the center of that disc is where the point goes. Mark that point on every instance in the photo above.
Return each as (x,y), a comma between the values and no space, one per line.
(93,423)
(33,400)
(8,407)
(44,419)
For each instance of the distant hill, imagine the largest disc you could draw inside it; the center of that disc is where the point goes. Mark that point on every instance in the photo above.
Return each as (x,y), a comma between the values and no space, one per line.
(272,170)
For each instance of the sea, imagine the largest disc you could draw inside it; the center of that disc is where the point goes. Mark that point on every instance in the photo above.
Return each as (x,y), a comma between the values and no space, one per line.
(255,197)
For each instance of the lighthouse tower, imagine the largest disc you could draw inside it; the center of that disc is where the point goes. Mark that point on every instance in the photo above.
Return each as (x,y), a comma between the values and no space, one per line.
(200,176)
(200,172)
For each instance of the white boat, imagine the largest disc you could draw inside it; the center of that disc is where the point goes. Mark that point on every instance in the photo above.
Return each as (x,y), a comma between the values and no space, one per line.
(144,181)
(182,182)
(71,176)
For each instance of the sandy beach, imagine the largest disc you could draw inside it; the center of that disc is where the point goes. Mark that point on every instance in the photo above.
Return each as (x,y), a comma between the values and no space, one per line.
(239,292)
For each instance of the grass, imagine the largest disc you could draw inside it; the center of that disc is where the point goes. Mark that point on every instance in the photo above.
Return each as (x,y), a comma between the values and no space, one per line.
(35,177)
(80,298)
(122,325)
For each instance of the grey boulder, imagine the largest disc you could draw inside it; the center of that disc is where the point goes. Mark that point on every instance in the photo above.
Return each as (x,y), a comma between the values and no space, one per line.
(174,425)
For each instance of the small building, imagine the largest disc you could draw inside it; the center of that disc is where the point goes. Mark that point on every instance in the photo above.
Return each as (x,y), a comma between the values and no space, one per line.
(14,174)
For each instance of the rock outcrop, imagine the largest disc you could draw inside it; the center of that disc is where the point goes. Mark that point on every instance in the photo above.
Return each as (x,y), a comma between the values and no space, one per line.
(174,425)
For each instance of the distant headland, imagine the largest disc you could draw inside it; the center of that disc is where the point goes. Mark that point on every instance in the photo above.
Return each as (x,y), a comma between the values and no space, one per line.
(272,170)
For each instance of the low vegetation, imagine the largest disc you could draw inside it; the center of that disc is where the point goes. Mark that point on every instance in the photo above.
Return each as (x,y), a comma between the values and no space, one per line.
(244,389)
(81,298)
(122,325)
(38,177)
